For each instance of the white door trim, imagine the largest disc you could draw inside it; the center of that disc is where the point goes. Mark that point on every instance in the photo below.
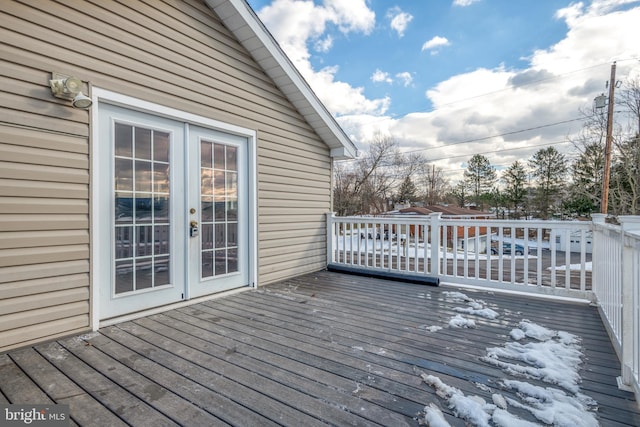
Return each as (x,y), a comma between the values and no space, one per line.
(99,249)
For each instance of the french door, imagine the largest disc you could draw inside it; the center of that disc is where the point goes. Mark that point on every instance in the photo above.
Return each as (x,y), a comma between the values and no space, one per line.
(173,198)
(218,211)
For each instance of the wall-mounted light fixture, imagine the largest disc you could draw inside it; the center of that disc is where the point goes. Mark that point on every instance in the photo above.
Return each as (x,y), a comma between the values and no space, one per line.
(69,88)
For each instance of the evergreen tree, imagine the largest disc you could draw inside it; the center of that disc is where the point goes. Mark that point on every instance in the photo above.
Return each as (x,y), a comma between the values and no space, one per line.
(460,194)
(515,179)
(550,169)
(480,177)
(587,172)
(407,191)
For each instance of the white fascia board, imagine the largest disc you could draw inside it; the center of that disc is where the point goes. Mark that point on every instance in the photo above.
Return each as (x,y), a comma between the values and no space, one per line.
(240,19)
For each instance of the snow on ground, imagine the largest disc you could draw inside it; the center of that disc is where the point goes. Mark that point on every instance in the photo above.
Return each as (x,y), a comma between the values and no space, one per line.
(420,251)
(588,266)
(535,353)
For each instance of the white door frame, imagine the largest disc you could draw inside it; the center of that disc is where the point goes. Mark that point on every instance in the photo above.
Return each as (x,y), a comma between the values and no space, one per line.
(101,249)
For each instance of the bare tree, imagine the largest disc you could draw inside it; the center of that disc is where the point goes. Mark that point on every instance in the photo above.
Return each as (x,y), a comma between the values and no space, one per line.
(629,99)
(625,171)
(364,186)
(432,184)
(625,180)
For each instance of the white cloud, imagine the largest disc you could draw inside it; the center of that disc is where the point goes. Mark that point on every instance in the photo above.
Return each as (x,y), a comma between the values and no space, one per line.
(324,45)
(381,77)
(405,77)
(555,82)
(352,15)
(464,3)
(296,24)
(435,43)
(399,20)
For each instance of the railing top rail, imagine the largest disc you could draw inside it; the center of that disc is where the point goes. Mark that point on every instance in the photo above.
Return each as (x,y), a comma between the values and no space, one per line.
(601,226)
(412,219)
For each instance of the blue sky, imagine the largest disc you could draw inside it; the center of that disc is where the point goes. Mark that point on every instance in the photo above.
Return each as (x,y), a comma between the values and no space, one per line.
(434,73)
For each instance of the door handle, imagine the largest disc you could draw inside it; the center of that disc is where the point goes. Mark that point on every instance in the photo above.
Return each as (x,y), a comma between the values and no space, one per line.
(193,229)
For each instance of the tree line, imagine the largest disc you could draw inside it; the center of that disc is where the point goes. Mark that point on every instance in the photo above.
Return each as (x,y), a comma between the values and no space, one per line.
(547,185)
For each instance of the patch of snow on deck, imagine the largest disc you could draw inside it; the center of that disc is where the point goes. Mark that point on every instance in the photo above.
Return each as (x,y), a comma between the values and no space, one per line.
(458,321)
(553,406)
(554,357)
(550,356)
(434,417)
(473,409)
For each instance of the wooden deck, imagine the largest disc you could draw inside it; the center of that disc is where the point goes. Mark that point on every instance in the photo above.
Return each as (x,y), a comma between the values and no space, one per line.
(320,349)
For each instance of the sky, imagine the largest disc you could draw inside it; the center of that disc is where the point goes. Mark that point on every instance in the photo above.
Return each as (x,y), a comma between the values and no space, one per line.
(453,78)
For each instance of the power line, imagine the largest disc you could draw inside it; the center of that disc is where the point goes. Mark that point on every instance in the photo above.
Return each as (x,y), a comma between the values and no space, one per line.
(501,150)
(497,135)
(468,141)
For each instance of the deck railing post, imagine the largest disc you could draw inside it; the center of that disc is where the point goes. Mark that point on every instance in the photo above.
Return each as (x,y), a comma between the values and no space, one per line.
(331,239)
(599,219)
(434,222)
(629,344)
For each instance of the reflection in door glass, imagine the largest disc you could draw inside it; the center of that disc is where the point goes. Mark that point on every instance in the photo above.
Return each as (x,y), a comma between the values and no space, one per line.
(141,208)
(218,178)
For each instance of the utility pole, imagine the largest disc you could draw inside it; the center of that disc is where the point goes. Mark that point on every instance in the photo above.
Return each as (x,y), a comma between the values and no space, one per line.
(608,142)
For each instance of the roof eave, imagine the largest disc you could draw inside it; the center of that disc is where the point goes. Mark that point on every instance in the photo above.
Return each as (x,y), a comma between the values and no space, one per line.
(242,21)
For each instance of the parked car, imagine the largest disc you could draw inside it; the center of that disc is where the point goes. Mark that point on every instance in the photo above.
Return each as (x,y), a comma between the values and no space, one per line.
(506,249)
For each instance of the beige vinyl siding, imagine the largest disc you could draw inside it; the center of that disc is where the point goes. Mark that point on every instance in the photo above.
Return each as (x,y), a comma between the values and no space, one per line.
(44,236)
(174,53)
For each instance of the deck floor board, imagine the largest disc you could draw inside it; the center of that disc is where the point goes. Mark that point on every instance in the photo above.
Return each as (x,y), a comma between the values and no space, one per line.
(315,350)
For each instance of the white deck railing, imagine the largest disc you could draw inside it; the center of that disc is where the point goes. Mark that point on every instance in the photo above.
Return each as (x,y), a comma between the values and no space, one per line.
(530,256)
(617,279)
(544,257)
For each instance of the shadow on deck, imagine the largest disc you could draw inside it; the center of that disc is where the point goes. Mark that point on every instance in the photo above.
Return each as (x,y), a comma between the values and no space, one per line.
(324,348)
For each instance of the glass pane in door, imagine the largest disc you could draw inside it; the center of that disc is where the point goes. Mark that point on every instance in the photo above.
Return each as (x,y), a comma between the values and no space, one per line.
(142,200)
(218,204)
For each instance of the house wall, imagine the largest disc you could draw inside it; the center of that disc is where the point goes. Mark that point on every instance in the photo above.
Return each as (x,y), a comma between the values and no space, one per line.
(174,53)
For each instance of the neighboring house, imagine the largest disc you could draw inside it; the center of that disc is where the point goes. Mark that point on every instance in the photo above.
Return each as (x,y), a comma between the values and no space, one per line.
(462,240)
(575,241)
(203,164)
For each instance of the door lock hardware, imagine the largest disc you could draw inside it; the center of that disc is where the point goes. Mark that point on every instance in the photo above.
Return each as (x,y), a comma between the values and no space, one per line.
(193,229)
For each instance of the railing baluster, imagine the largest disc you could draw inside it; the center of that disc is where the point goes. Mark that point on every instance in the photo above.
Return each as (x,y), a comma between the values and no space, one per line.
(539,232)
(500,255)
(476,268)
(583,260)
(552,242)
(567,260)
(488,253)
(525,253)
